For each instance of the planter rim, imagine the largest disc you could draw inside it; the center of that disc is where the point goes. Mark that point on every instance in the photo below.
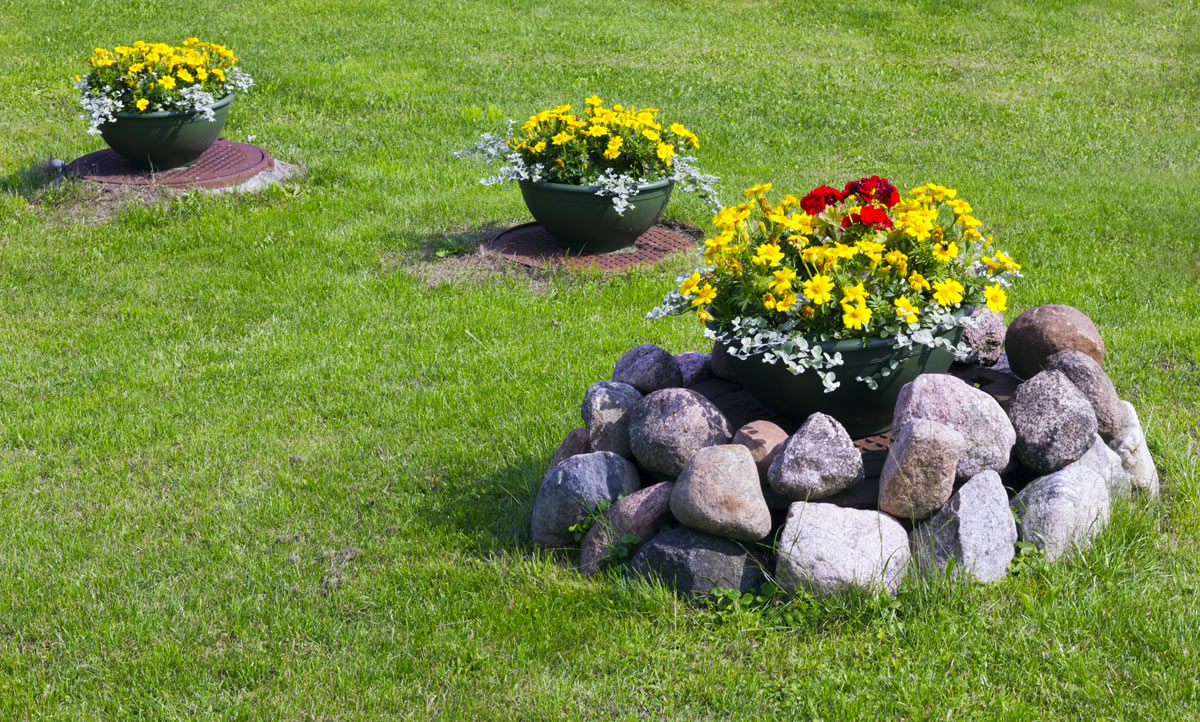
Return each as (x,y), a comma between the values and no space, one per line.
(226,100)
(854,344)
(592,189)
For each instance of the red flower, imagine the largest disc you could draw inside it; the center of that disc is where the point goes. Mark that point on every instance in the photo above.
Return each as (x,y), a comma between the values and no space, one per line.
(818,198)
(869,215)
(873,189)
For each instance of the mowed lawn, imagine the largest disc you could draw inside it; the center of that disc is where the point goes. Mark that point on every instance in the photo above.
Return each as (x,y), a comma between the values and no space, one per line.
(260,459)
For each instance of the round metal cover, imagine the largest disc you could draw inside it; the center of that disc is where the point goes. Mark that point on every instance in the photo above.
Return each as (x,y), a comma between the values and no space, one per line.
(531,245)
(225,163)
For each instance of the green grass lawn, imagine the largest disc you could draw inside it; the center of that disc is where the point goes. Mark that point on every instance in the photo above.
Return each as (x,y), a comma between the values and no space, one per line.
(255,465)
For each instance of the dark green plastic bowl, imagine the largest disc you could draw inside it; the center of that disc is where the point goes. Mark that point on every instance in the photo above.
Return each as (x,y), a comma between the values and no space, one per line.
(169,139)
(864,412)
(584,222)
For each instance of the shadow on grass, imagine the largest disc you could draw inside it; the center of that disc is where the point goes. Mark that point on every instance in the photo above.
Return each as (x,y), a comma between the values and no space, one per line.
(33,179)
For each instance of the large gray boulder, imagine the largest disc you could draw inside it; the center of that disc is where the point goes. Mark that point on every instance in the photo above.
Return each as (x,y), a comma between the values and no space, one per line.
(1089,377)
(640,515)
(1062,510)
(605,410)
(1130,446)
(918,474)
(694,563)
(986,335)
(825,549)
(1101,459)
(975,528)
(573,489)
(973,413)
(648,368)
(1041,332)
(764,439)
(819,460)
(670,425)
(719,493)
(1054,421)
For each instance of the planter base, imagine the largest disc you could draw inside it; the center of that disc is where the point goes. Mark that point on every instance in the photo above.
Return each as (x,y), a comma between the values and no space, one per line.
(531,245)
(225,163)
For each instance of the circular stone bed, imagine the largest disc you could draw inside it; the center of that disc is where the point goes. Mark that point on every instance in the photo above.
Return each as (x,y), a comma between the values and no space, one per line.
(680,472)
(531,245)
(226,165)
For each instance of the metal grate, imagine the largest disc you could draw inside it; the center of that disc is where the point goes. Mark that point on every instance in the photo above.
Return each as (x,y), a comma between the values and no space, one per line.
(225,163)
(531,245)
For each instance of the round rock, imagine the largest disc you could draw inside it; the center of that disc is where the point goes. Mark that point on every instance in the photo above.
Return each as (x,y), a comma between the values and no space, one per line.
(1062,510)
(639,515)
(694,563)
(986,337)
(1089,377)
(605,410)
(819,460)
(975,528)
(573,489)
(1054,421)
(1041,332)
(574,444)
(694,366)
(825,549)
(670,425)
(918,474)
(648,368)
(719,493)
(764,439)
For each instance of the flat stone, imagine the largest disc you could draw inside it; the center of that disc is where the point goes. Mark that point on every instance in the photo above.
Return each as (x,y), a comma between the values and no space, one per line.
(694,366)
(605,410)
(764,439)
(918,475)
(817,461)
(641,514)
(694,563)
(670,425)
(1089,377)
(573,490)
(1054,421)
(648,368)
(574,444)
(975,528)
(825,549)
(1041,332)
(1063,510)
(1130,446)
(986,337)
(973,413)
(719,493)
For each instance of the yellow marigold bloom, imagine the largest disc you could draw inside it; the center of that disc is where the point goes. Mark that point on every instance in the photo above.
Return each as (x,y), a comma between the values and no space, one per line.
(857,317)
(997,299)
(705,296)
(897,260)
(596,131)
(593,100)
(167,82)
(854,294)
(968,221)
(807,312)
(689,285)
(704,315)
(768,302)
(757,191)
(768,254)
(945,251)
(184,75)
(562,138)
(783,280)
(614,147)
(538,147)
(142,103)
(191,41)
(871,250)
(136,68)
(905,311)
(664,152)
(818,289)
(202,74)
(917,282)
(948,292)
(1007,260)
(651,135)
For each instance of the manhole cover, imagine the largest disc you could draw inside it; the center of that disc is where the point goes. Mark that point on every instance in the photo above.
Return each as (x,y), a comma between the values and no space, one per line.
(225,163)
(531,245)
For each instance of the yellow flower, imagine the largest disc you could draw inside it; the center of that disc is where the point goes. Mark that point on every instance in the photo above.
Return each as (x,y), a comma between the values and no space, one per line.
(945,251)
(1007,261)
(202,74)
(686,134)
(768,302)
(614,147)
(689,285)
(807,312)
(704,315)
(917,282)
(757,191)
(997,299)
(854,294)
(167,82)
(562,138)
(184,75)
(783,280)
(593,100)
(905,311)
(596,131)
(898,260)
(768,254)
(142,103)
(705,296)
(136,68)
(857,317)
(665,151)
(948,292)
(818,289)
(651,135)
(538,147)
(219,73)
(785,302)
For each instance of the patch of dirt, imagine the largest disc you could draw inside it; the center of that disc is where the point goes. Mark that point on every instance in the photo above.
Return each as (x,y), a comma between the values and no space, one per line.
(339,562)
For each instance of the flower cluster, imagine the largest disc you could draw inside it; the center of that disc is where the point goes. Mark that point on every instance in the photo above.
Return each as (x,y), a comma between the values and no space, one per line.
(862,262)
(153,77)
(612,148)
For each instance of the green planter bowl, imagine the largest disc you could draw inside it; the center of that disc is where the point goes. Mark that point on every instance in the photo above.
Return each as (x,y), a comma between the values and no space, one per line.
(864,412)
(169,139)
(582,221)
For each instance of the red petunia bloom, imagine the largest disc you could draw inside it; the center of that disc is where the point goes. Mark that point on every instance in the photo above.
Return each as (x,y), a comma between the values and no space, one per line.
(869,215)
(818,198)
(873,189)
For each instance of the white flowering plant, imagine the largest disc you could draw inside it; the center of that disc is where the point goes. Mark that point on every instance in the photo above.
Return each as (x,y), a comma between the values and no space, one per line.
(613,149)
(156,77)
